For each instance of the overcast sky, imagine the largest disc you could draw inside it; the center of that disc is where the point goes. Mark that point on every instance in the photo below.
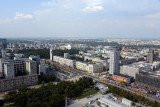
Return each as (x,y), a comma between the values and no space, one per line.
(80,18)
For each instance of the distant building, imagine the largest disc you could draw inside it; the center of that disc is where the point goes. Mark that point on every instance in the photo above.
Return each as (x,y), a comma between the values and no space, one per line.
(64,61)
(66,55)
(9,70)
(136,68)
(31,67)
(114,67)
(3,46)
(152,56)
(91,68)
(53,52)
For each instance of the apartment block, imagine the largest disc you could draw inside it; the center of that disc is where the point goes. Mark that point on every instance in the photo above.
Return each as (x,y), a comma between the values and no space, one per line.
(9,70)
(91,68)
(15,83)
(64,61)
(31,67)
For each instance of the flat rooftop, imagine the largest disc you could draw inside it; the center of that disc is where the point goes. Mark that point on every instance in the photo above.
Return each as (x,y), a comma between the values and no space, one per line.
(122,75)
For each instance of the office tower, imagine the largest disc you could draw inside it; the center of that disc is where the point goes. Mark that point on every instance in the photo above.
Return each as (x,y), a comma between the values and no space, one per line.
(53,52)
(3,46)
(150,56)
(9,70)
(114,62)
(31,67)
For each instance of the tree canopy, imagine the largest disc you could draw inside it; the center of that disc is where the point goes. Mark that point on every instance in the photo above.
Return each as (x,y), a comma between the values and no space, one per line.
(49,95)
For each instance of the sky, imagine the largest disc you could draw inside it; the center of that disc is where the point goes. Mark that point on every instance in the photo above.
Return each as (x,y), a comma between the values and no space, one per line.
(80,19)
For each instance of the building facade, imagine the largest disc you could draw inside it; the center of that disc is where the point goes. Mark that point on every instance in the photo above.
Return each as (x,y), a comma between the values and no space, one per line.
(9,70)
(15,83)
(91,68)
(31,67)
(114,67)
(148,79)
(122,78)
(64,61)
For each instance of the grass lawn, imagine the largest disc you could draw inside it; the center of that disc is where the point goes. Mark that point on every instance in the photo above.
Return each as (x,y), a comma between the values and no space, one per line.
(87,93)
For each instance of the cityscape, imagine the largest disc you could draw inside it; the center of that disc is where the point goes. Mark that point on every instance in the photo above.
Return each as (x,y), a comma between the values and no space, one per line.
(79,53)
(130,68)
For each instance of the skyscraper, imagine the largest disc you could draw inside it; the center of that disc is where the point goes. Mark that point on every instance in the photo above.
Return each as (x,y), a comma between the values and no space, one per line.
(52,52)
(150,56)
(3,46)
(114,62)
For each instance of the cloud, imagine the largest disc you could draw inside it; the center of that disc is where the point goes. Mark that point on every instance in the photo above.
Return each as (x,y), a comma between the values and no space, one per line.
(7,20)
(157,15)
(93,6)
(17,17)
(49,3)
(21,16)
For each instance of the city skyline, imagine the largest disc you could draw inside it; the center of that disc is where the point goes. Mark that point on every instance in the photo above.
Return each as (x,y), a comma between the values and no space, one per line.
(80,19)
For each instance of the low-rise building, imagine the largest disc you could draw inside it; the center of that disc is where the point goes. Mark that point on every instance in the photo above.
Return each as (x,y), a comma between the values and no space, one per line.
(91,68)
(127,102)
(108,100)
(136,68)
(64,61)
(122,78)
(148,79)
(15,83)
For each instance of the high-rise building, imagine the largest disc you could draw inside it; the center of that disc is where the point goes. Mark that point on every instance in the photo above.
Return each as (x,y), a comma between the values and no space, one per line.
(114,67)
(18,67)
(53,52)
(37,59)
(42,68)
(9,70)
(150,56)
(3,46)
(31,67)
